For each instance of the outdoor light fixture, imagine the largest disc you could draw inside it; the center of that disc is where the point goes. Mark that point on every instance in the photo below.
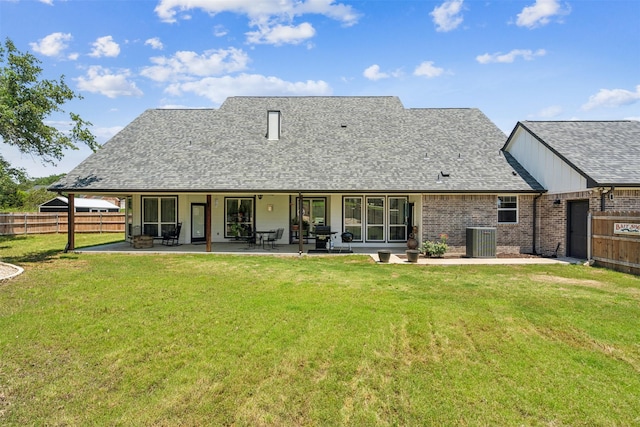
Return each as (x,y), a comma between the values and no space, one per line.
(269,208)
(556,202)
(260,196)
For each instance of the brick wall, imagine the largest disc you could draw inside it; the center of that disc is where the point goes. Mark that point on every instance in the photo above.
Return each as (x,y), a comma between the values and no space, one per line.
(552,218)
(452,214)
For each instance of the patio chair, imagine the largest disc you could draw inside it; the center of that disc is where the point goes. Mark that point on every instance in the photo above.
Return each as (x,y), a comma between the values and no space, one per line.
(273,237)
(251,239)
(170,238)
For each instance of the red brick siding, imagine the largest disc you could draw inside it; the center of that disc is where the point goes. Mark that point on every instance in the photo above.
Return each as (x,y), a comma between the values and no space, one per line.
(452,214)
(552,218)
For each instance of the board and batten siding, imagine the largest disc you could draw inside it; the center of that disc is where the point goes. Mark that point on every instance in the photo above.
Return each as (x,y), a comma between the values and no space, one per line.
(546,167)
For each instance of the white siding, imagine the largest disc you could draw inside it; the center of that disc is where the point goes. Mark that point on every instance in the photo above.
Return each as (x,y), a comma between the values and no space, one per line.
(547,168)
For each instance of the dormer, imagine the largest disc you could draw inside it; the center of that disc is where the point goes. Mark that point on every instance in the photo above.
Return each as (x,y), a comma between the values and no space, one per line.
(273,125)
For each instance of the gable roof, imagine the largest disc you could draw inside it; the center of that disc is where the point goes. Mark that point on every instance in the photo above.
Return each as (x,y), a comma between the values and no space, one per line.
(327,144)
(605,152)
(81,202)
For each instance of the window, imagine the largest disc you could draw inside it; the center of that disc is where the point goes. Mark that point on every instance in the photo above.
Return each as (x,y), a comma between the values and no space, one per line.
(398,219)
(159,215)
(507,209)
(239,217)
(353,217)
(375,219)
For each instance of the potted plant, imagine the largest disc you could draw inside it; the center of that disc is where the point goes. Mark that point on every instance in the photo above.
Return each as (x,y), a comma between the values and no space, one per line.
(384,255)
(236,229)
(412,255)
(295,223)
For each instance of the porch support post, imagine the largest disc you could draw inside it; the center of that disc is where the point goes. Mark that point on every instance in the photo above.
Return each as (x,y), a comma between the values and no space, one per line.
(301,225)
(71,224)
(207,222)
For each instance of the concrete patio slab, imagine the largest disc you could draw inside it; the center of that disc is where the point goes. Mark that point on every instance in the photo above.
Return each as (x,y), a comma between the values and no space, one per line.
(397,254)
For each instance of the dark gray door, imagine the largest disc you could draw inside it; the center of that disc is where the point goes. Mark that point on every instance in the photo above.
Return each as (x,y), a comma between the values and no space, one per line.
(577,226)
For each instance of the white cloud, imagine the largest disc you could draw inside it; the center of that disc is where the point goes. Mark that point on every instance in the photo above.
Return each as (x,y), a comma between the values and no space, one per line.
(217,89)
(526,54)
(540,13)
(103,81)
(281,34)
(168,9)
(105,46)
(49,2)
(373,73)
(53,44)
(104,134)
(428,70)
(447,16)
(549,112)
(220,31)
(272,18)
(186,64)
(155,43)
(612,98)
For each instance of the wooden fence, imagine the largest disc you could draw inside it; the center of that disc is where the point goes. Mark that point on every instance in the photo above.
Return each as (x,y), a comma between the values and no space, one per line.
(43,223)
(615,240)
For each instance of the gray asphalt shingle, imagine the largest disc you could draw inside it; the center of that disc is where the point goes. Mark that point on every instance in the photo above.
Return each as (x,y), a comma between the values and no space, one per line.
(608,152)
(328,144)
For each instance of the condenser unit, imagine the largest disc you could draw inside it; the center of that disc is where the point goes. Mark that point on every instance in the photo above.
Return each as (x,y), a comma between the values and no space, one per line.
(481,242)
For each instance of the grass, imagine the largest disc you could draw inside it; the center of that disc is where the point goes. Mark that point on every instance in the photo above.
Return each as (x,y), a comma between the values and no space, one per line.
(251,340)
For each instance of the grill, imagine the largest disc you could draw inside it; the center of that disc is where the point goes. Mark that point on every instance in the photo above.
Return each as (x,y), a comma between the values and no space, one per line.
(347,237)
(323,233)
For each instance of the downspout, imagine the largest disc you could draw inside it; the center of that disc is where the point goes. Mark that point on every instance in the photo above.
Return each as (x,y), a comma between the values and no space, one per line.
(589,232)
(535,221)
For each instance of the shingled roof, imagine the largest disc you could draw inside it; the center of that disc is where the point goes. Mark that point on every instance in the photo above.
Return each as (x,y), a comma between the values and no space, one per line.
(605,152)
(327,144)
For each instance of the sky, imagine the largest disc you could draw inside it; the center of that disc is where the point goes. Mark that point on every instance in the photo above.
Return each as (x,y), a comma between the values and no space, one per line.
(514,60)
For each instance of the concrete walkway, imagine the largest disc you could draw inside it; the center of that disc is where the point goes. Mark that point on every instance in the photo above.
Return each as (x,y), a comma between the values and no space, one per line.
(8,271)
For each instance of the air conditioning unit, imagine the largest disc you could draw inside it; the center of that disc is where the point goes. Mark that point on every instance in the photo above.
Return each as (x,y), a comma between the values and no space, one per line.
(481,242)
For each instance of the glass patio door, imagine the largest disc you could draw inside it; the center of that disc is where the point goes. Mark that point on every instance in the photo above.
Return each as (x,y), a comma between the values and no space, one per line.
(198,226)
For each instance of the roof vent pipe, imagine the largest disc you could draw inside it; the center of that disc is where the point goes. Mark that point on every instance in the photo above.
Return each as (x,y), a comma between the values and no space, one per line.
(273,125)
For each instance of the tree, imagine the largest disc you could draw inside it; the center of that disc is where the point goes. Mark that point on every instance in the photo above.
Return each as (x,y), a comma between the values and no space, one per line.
(26,102)
(10,194)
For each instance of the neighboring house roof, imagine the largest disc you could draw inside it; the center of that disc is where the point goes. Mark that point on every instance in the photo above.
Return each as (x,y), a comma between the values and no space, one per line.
(606,153)
(326,144)
(81,202)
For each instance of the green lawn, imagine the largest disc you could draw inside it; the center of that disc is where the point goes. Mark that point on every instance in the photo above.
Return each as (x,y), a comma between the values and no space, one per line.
(205,339)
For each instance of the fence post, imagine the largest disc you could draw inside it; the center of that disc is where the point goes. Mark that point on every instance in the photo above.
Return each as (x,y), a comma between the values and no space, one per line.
(25,224)
(589,232)
(100,222)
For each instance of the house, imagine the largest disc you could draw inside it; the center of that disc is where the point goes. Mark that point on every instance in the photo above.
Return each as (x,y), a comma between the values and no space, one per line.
(61,204)
(364,165)
(585,166)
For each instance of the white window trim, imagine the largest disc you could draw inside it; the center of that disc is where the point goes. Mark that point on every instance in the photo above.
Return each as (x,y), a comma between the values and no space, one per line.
(516,209)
